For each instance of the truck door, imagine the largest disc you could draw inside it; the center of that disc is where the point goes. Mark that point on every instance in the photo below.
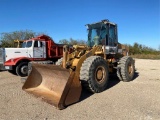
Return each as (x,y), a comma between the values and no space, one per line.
(38,49)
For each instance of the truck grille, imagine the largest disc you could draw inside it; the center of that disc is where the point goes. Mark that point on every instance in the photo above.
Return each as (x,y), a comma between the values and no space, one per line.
(1,55)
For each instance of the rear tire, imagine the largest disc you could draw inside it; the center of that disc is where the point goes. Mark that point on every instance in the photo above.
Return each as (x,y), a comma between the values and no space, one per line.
(22,69)
(94,74)
(126,69)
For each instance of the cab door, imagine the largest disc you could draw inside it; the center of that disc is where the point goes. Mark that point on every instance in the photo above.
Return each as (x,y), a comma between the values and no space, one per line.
(112,40)
(38,49)
(112,36)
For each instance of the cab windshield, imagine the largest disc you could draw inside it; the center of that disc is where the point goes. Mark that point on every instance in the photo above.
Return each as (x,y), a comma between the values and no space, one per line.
(27,44)
(96,34)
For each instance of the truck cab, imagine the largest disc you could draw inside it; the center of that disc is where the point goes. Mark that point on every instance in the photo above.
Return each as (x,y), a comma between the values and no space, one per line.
(35,49)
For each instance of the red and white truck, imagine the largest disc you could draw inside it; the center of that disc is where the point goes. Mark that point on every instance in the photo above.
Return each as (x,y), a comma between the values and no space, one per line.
(39,49)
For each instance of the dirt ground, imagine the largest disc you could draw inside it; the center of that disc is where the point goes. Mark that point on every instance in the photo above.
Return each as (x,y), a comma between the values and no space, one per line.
(135,100)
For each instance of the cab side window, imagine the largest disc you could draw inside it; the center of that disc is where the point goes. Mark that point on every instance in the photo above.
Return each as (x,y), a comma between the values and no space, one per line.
(112,36)
(36,44)
(41,44)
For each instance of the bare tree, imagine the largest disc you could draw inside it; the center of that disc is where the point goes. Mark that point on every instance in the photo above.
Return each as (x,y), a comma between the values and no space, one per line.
(7,38)
(64,41)
(72,41)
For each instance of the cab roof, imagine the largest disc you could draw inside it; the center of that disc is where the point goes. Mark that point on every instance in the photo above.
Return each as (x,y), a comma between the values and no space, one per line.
(105,21)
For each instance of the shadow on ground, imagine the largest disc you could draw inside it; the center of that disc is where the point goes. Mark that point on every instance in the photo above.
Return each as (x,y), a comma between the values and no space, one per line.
(136,74)
(113,80)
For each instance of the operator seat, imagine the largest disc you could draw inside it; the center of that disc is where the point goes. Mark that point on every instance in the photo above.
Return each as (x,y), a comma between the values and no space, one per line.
(96,40)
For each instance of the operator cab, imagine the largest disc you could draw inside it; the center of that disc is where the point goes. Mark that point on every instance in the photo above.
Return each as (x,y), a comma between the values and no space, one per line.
(103,33)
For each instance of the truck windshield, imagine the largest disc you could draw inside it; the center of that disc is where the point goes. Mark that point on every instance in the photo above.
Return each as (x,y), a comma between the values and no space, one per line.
(27,44)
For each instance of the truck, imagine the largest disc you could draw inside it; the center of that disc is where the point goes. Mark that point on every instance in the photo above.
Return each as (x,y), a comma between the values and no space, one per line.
(40,49)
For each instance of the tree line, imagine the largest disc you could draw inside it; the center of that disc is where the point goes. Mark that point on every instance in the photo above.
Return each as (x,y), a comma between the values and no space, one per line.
(137,48)
(7,40)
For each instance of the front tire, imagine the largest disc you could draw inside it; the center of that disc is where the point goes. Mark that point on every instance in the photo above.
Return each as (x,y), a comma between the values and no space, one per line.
(22,69)
(94,74)
(126,69)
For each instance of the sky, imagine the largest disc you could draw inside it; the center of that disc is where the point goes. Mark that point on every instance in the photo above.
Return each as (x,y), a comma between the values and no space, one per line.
(138,20)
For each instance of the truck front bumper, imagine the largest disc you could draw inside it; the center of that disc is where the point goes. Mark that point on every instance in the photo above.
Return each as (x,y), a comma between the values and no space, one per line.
(2,67)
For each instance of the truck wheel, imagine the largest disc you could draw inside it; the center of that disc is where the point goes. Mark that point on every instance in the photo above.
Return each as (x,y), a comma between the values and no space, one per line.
(94,74)
(59,62)
(126,69)
(22,69)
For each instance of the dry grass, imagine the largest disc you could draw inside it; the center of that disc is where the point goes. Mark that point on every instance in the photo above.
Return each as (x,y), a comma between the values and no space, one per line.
(146,56)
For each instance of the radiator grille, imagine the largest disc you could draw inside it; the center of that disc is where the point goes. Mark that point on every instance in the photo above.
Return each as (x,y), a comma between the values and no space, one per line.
(1,56)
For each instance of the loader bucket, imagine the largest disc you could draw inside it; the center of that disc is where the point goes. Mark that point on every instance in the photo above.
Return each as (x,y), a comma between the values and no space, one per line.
(53,84)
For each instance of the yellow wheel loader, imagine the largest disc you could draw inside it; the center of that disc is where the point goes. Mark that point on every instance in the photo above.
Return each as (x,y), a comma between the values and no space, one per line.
(88,66)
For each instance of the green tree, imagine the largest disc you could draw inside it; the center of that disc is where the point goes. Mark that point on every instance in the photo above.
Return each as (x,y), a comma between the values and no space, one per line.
(137,48)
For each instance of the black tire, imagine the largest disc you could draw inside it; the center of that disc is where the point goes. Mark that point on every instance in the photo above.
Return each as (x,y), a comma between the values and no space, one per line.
(126,69)
(29,67)
(59,62)
(89,74)
(22,69)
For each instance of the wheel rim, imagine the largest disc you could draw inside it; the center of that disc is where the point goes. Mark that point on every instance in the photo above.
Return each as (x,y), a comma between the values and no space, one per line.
(24,69)
(100,74)
(130,68)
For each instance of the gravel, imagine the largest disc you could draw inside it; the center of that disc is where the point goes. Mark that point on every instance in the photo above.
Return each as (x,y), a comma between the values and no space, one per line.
(135,100)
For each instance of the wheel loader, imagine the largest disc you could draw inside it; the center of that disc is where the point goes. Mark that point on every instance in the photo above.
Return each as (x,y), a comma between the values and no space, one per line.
(87,67)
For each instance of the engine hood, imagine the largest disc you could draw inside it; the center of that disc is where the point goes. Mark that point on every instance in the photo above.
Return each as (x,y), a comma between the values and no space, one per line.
(15,52)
